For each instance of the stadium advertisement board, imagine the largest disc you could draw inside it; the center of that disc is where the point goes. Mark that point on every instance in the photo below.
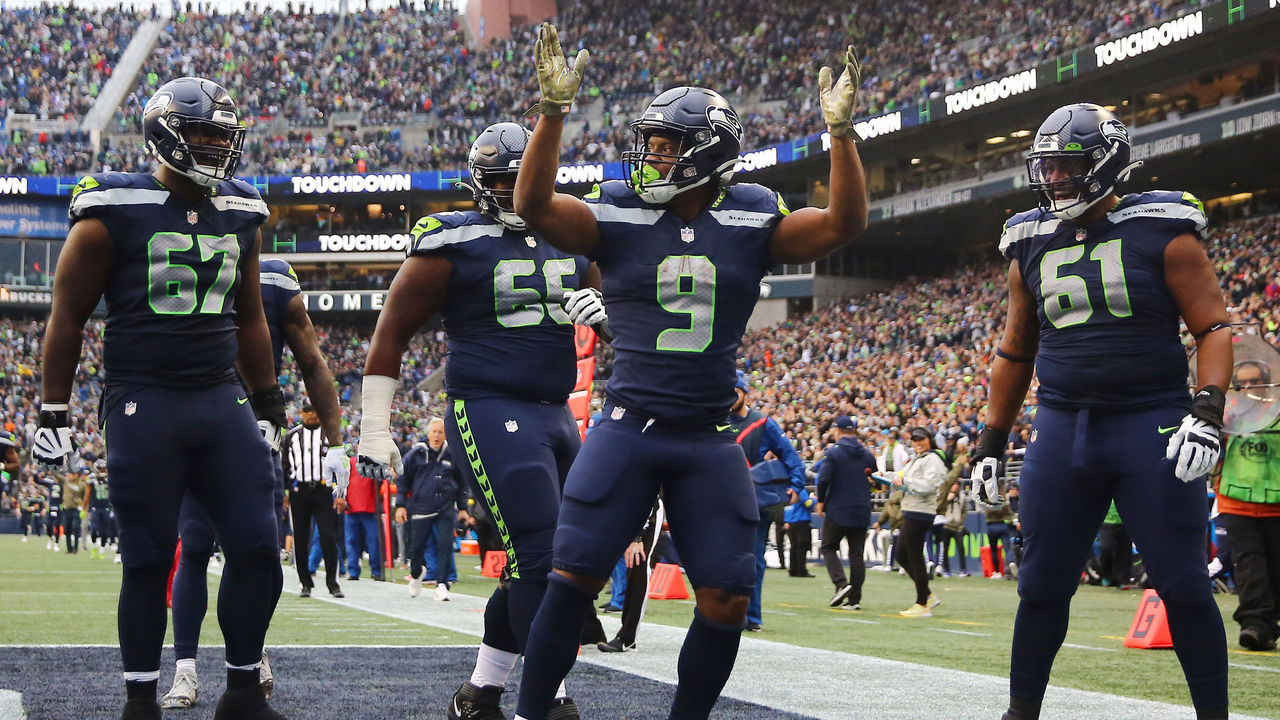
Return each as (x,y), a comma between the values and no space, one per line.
(33,220)
(319,301)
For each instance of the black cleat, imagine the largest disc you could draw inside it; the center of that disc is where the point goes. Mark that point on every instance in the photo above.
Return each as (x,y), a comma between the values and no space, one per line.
(248,704)
(1254,639)
(141,709)
(306,592)
(563,709)
(615,645)
(473,702)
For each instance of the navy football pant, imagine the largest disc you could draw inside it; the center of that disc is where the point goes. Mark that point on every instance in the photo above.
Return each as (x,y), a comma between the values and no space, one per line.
(162,443)
(421,528)
(190,579)
(515,455)
(102,526)
(1076,463)
(711,509)
(71,528)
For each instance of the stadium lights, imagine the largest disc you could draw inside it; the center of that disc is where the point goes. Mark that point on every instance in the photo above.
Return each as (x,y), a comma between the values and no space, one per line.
(1110,108)
(1019,133)
(996,140)
(915,161)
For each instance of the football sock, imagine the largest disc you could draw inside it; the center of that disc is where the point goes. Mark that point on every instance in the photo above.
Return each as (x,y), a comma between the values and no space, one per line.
(242,680)
(493,666)
(706,660)
(244,605)
(1038,632)
(524,598)
(1023,709)
(186,664)
(190,602)
(498,633)
(553,645)
(142,616)
(141,689)
(1200,643)
(561,692)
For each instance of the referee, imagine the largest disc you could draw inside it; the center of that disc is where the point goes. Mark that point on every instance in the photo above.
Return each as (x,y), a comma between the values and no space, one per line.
(312,498)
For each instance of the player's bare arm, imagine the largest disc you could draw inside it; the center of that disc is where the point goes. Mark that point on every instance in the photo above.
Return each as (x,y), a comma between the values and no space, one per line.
(563,220)
(1014,364)
(83,269)
(812,233)
(300,334)
(253,357)
(1196,291)
(417,293)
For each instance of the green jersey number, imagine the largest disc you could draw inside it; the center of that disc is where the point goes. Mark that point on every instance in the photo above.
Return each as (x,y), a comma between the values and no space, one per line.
(687,286)
(1066,297)
(171,286)
(523,306)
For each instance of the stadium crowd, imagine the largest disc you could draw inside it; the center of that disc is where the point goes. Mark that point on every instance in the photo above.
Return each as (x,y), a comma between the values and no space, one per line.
(396,66)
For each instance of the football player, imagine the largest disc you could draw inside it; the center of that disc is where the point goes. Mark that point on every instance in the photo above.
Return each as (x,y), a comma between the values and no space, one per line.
(287,322)
(175,253)
(682,253)
(1097,285)
(9,460)
(102,521)
(512,365)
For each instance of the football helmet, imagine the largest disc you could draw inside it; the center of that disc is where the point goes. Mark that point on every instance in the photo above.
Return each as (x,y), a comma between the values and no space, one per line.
(709,135)
(1079,156)
(191,125)
(494,156)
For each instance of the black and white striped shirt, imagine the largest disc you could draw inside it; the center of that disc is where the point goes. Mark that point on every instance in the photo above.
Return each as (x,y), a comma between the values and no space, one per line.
(303,456)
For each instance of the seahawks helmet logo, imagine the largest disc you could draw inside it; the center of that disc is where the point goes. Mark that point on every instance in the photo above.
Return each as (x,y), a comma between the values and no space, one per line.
(1113,131)
(724,119)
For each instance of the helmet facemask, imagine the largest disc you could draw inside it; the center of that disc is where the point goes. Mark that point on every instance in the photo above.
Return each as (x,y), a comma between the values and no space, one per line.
(1068,177)
(654,187)
(497,203)
(190,151)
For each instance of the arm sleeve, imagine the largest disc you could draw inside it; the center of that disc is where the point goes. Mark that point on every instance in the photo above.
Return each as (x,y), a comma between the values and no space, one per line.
(781,447)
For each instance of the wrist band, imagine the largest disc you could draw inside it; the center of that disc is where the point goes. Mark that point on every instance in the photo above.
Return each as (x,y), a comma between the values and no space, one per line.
(1212,328)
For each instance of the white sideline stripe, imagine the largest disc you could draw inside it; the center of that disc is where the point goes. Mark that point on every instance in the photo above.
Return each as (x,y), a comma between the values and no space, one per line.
(779,675)
(1088,647)
(1242,666)
(11,706)
(959,632)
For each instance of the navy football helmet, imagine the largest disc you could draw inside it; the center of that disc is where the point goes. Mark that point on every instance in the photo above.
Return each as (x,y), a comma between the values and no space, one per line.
(709,135)
(191,125)
(495,155)
(1079,156)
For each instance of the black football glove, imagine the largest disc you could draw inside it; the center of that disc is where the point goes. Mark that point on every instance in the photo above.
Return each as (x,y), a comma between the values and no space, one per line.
(268,406)
(984,474)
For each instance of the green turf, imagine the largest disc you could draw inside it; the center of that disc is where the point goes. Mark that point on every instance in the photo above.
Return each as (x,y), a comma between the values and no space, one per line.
(54,598)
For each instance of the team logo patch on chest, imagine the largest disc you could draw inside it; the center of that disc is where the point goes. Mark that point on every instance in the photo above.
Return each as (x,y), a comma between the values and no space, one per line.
(686,234)
(193,217)
(130,408)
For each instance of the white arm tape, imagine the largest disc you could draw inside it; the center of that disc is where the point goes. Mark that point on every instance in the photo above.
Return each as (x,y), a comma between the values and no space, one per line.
(376,395)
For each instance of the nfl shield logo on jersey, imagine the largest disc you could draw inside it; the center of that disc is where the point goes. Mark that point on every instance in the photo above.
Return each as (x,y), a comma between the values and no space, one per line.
(512,426)
(686,234)
(618,413)
(130,408)
(528,239)
(192,217)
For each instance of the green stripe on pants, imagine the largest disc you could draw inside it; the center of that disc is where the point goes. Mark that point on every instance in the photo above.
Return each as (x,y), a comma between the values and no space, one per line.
(486,488)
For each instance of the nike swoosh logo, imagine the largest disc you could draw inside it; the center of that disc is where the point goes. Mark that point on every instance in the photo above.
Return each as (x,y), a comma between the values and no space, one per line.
(1166,430)
(722,428)
(241,401)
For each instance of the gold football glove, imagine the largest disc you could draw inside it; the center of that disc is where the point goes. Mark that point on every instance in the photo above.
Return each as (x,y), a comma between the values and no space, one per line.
(839,100)
(556,80)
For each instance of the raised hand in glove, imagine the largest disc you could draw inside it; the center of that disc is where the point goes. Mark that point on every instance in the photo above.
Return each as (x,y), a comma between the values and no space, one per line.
(53,440)
(838,100)
(1197,444)
(557,82)
(984,475)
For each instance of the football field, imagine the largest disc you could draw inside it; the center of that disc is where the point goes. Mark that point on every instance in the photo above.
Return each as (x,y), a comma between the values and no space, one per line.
(381,654)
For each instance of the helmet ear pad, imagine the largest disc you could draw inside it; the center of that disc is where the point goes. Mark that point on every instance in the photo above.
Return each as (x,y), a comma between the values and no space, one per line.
(1088,138)
(191,126)
(709,138)
(495,156)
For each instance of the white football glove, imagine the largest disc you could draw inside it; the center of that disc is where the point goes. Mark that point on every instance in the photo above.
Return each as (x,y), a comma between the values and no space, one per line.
(337,468)
(378,457)
(585,306)
(556,80)
(52,444)
(1197,446)
(272,433)
(985,484)
(838,100)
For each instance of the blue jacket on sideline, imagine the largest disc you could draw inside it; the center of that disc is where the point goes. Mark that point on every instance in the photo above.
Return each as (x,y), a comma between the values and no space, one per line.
(843,489)
(430,483)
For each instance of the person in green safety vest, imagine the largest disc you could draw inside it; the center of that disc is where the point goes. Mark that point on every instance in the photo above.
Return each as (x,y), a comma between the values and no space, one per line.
(1249,508)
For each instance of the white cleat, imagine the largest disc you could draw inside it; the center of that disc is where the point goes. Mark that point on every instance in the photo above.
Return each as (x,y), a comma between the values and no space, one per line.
(442,592)
(265,678)
(117,559)
(183,694)
(415,584)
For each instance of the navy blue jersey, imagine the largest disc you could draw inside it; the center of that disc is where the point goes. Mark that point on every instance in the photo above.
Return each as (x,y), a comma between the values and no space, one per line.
(508,331)
(1108,325)
(98,486)
(171,317)
(679,295)
(279,286)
